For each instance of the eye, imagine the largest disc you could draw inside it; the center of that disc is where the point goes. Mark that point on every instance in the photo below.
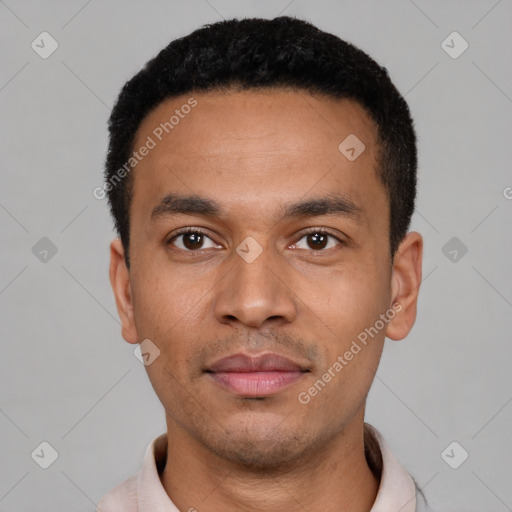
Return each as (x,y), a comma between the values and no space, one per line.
(317,240)
(192,240)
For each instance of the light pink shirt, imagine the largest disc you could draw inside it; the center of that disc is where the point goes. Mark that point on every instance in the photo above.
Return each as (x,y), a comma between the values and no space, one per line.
(144,492)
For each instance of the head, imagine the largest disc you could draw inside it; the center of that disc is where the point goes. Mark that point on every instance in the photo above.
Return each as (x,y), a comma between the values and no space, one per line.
(262,176)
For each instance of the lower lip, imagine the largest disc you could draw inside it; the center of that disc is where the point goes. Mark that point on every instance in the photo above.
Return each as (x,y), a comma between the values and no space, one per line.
(256,384)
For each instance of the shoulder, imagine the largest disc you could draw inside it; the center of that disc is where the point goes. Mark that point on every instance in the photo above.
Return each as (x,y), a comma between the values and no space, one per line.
(132,492)
(122,498)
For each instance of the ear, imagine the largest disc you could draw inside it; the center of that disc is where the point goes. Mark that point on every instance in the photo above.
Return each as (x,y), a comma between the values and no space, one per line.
(405,285)
(120,282)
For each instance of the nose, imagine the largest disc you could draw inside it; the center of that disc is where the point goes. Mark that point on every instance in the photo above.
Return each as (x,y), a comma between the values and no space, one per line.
(256,293)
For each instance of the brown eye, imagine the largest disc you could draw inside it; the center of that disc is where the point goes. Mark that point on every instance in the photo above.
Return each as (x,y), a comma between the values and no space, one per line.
(317,241)
(192,240)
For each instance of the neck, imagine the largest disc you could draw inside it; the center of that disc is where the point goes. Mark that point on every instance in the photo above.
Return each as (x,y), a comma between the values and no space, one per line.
(336,477)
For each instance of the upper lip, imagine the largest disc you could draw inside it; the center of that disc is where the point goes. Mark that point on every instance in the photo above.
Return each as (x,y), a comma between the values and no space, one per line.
(243,363)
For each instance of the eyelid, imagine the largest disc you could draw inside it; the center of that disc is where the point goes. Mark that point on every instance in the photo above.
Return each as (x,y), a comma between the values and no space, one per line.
(204,232)
(323,231)
(183,231)
(188,229)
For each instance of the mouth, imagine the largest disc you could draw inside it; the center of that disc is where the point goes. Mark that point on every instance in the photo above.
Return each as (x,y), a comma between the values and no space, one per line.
(254,377)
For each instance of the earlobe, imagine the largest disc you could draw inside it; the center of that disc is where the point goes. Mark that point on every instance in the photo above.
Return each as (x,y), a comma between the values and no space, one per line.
(121,286)
(405,285)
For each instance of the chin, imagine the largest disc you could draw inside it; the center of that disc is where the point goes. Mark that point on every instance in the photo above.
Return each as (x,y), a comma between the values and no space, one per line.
(261,446)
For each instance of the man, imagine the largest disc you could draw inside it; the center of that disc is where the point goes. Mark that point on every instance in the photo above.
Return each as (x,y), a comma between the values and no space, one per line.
(262,176)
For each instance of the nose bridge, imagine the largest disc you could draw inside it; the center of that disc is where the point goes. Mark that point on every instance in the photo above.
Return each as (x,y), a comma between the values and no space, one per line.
(253,291)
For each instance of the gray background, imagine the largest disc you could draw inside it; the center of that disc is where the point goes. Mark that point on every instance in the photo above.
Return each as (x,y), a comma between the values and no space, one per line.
(68,377)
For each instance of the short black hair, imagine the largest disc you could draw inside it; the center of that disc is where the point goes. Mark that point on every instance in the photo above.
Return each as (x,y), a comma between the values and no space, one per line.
(255,53)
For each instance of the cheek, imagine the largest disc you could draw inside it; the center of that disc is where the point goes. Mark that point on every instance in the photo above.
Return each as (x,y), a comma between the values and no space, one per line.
(162,295)
(349,309)
(346,312)
(168,312)
(352,300)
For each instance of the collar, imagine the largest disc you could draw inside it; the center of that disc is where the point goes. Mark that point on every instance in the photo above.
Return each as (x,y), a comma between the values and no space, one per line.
(397,490)
(144,491)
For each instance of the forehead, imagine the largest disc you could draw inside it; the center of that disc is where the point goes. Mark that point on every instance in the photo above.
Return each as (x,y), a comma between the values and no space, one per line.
(221,119)
(255,146)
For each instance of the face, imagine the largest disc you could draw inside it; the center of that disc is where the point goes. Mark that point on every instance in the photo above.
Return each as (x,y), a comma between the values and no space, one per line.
(259,254)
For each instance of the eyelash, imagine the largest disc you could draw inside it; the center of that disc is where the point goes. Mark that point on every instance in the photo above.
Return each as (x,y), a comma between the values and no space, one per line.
(185,231)
(201,231)
(322,231)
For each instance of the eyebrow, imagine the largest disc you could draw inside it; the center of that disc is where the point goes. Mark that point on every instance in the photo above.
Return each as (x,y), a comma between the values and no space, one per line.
(175,204)
(330,205)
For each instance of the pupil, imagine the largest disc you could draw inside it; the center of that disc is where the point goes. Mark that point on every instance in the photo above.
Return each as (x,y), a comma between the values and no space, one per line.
(318,240)
(193,240)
